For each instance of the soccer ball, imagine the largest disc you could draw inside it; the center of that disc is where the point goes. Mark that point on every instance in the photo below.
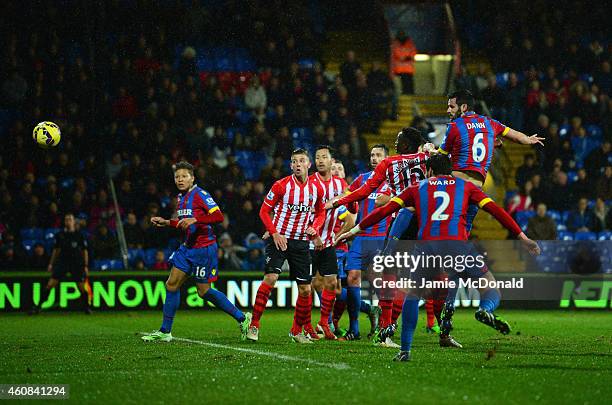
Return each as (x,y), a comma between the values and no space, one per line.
(47,134)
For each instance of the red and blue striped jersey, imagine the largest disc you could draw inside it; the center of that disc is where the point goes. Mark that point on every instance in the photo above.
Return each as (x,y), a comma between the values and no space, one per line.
(197,202)
(470,141)
(368,205)
(441,205)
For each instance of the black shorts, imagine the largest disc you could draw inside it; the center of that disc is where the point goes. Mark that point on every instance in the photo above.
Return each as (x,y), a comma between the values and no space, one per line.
(73,272)
(325,261)
(296,254)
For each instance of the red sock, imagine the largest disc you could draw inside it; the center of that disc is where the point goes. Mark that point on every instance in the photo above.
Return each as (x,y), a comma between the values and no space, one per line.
(339,307)
(261,299)
(327,303)
(429,307)
(398,303)
(302,313)
(385,316)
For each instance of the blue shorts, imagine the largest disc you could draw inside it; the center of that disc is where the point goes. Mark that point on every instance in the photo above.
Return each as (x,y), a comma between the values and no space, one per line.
(341,255)
(362,252)
(200,263)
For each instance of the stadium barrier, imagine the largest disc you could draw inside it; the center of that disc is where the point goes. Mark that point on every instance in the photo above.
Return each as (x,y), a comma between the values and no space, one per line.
(128,290)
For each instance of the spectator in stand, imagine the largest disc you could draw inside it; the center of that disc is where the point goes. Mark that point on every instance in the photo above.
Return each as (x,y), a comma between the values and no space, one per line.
(515,96)
(403,52)
(229,254)
(541,226)
(254,261)
(598,159)
(522,200)
(604,184)
(582,218)
(526,170)
(284,143)
(357,143)
(39,259)
(104,245)
(381,89)
(582,187)
(495,98)
(348,69)
(560,193)
(425,127)
(601,212)
(160,261)
(540,192)
(134,234)
(255,95)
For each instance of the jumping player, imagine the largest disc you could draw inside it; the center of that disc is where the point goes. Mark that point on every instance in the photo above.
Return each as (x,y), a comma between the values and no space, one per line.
(197,255)
(471,139)
(441,204)
(399,171)
(292,200)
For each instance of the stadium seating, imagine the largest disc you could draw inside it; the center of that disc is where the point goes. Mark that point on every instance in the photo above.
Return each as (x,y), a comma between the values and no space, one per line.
(107,264)
(564,235)
(585,236)
(606,235)
(32,233)
(522,218)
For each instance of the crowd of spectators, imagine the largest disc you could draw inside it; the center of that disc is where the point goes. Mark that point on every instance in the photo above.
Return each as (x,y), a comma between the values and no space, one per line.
(144,99)
(552,78)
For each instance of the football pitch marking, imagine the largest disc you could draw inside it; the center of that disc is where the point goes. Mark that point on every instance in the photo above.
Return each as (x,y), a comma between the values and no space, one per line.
(278,356)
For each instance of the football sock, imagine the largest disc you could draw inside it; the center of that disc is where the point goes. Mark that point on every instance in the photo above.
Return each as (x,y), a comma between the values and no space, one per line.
(261,299)
(327,303)
(301,314)
(398,304)
(173,300)
(353,301)
(220,301)
(429,308)
(490,300)
(339,307)
(410,315)
(385,317)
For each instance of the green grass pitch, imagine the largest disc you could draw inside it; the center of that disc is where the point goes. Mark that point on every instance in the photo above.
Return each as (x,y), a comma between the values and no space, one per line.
(558,357)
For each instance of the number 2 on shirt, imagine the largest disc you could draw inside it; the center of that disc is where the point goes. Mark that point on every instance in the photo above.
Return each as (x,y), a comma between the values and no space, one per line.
(439,214)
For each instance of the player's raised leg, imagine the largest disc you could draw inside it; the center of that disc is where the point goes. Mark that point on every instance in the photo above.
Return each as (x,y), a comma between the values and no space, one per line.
(173,299)
(489,301)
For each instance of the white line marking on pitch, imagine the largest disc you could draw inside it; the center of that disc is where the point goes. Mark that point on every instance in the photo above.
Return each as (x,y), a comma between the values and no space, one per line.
(278,356)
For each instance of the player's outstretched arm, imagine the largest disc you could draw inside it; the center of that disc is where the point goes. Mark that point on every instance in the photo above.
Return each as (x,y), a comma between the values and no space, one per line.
(362,192)
(523,139)
(510,224)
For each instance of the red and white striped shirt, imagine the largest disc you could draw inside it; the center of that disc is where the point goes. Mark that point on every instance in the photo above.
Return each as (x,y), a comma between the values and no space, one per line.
(295,204)
(400,172)
(333,187)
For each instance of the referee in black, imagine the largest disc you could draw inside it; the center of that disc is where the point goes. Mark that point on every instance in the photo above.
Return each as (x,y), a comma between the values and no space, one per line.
(69,257)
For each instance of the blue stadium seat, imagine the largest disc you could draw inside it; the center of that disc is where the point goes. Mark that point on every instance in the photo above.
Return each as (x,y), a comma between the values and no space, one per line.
(522,218)
(565,216)
(244,116)
(572,176)
(107,264)
(51,232)
(135,254)
(502,79)
(302,133)
(174,244)
(564,235)
(149,257)
(561,227)
(28,244)
(606,235)
(564,130)
(555,215)
(32,233)
(585,236)
(594,132)
(306,63)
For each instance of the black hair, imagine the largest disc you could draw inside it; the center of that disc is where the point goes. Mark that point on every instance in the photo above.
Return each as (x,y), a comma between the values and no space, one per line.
(381,146)
(440,164)
(183,165)
(300,151)
(332,151)
(463,97)
(409,139)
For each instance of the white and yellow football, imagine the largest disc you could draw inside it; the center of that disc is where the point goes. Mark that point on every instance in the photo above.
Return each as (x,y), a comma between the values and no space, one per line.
(47,134)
